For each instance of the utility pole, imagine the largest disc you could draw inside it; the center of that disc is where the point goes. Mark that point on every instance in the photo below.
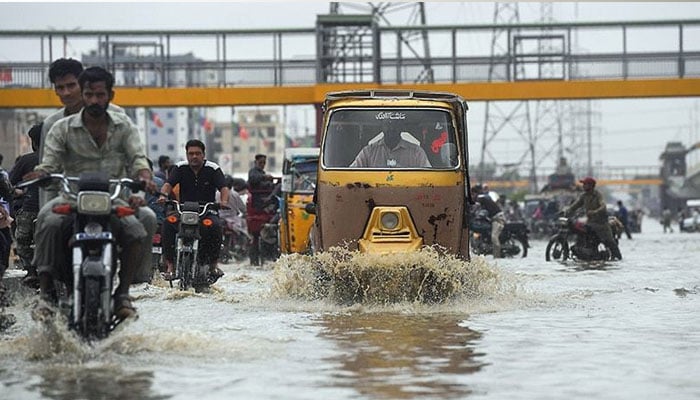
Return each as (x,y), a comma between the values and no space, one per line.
(589,129)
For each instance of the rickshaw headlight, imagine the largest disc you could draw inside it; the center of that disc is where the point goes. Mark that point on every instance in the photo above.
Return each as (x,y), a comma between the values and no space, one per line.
(390,220)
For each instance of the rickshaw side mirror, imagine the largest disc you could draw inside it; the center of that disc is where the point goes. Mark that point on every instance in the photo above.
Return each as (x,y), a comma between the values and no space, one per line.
(310,208)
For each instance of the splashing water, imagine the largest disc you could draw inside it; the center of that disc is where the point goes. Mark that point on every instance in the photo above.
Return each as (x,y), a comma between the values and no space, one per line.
(340,275)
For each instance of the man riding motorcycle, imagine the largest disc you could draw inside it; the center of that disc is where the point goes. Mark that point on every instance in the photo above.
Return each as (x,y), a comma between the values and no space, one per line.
(592,201)
(498,219)
(199,179)
(95,139)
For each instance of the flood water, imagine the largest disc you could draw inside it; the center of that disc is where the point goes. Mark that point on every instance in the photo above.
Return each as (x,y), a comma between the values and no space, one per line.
(522,329)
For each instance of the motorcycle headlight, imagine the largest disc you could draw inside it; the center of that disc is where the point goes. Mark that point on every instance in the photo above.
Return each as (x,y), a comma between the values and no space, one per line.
(390,220)
(189,218)
(93,228)
(95,203)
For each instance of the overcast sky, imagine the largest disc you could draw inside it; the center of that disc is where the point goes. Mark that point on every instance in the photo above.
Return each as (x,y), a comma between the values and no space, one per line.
(281,14)
(633,132)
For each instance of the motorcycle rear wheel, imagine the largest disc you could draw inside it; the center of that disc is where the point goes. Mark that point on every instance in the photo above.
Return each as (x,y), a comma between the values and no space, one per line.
(557,250)
(513,247)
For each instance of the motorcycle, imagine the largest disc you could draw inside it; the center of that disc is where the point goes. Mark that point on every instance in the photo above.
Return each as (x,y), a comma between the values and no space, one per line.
(269,237)
(89,308)
(514,237)
(157,251)
(586,244)
(236,241)
(189,215)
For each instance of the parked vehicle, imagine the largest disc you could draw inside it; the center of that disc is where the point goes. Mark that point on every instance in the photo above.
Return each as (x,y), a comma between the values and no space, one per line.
(576,240)
(299,172)
(514,237)
(189,216)
(691,224)
(94,249)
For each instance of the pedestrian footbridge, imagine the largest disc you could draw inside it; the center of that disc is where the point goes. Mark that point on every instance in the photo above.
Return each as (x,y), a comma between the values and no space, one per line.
(627,59)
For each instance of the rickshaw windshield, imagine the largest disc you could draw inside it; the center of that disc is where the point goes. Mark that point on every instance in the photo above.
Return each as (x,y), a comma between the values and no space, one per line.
(304,175)
(390,138)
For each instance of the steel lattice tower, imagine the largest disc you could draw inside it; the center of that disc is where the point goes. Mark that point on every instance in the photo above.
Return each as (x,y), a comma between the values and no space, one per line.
(415,42)
(497,117)
(538,125)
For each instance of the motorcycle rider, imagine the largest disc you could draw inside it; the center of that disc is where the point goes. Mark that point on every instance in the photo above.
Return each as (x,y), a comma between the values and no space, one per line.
(199,179)
(63,74)
(262,197)
(596,211)
(27,212)
(236,205)
(498,219)
(94,139)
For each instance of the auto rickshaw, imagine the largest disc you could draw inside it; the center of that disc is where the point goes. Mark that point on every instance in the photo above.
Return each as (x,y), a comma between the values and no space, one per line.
(298,184)
(412,196)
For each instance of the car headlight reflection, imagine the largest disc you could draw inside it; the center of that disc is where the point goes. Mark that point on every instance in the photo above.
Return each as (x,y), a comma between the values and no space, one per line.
(390,220)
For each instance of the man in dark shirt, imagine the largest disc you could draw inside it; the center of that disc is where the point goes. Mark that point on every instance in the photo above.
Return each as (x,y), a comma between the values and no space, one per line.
(164,165)
(623,215)
(262,204)
(199,179)
(498,219)
(260,182)
(27,208)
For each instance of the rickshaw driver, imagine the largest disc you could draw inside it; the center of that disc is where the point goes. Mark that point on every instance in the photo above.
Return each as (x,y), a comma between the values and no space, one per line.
(392,151)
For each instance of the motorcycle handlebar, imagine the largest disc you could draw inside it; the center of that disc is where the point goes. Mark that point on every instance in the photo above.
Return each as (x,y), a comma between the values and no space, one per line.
(66,188)
(204,208)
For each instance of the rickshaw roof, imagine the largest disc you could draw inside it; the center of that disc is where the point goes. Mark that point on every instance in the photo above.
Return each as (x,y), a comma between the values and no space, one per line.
(301,152)
(381,96)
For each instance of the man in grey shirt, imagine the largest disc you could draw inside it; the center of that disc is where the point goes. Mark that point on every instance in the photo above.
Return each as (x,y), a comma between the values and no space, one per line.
(63,74)
(94,139)
(392,151)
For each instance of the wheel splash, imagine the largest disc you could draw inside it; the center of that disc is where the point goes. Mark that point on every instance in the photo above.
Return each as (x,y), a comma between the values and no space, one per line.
(347,277)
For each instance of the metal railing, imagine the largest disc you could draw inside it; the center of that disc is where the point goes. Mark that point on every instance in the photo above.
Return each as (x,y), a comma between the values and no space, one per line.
(279,57)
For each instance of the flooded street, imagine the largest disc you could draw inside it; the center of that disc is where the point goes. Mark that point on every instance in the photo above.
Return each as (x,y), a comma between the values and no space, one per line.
(530,329)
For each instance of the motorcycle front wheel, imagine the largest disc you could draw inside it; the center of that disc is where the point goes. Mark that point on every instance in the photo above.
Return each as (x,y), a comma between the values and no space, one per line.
(557,250)
(92,323)
(184,268)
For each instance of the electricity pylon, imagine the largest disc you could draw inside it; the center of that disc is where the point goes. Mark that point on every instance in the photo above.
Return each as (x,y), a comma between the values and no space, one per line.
(352,42)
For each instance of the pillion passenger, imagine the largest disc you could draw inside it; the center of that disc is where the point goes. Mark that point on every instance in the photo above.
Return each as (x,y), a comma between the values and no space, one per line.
(96,139)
